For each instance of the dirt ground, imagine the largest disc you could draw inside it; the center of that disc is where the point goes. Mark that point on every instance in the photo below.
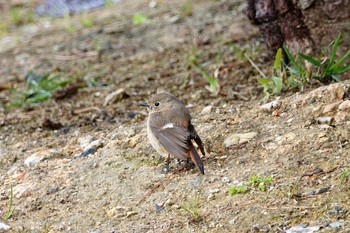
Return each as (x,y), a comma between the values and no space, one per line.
(303,143)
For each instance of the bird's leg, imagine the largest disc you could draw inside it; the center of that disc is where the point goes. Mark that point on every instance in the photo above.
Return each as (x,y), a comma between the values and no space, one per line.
(167,162)
(179,161)
(188,164)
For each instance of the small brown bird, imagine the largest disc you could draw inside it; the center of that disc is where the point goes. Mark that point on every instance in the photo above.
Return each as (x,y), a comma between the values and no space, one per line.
(170,131)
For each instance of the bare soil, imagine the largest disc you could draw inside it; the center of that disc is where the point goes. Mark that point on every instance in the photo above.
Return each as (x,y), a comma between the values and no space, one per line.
(121,187)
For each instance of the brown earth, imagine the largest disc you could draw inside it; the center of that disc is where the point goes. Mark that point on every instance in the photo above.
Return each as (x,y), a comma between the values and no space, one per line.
(303,144)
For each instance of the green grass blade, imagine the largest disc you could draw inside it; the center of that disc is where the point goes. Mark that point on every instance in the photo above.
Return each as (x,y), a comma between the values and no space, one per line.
(294,71)
(293,83)
(311,60)
(341,61)
(291,58)
(341,70)
(9,212)
(277,89)
(140,19)
(336,78)
(278,59)
(264,81)
(334,50)
(210,79)
(40,96)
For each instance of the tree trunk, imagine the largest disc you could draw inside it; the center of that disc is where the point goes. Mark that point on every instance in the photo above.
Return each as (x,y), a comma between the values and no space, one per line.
(300,23)
(280,21)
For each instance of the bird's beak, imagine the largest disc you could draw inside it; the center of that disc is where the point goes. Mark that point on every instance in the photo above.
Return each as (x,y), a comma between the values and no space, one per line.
(145,104)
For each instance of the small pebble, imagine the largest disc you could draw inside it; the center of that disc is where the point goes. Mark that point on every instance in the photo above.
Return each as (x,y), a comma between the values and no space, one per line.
(335,224)
(207,110)
(322,190)
(168,202)
(303,228)
(211,197)
(213,191)
(341,116)
(37,157)
(270,107)
(232,221)
(226,180)
(22,189)
(290,136)
(174,19)
(212,180)
(52,190)
(345,105)
(330,107)
(318,170)
(117,212)
(152,4)
(132,142)
(238,138)
(325,120)
(130,214)
(88,152)
(337,211)
(337,90)
(290,120)
(4,227)
(95,145)
(115,96)
(65,130)
(158,207)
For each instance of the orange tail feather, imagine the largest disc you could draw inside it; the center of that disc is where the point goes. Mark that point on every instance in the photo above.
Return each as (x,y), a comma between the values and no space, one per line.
(196,159)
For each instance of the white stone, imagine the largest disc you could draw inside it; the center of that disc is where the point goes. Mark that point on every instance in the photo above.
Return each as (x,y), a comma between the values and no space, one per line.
(238,138)
(37,157)
(273,105)
(4,227)
(303,229)
(213,191)
(114,96)
(226,180)
(7,43)
(94,145)
(152,4)
(207,110)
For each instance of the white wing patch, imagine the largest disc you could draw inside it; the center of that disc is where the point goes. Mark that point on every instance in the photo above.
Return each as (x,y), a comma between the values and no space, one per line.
(169,125)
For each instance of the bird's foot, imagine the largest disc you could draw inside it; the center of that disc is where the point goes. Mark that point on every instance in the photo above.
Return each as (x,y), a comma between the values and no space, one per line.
(165,170)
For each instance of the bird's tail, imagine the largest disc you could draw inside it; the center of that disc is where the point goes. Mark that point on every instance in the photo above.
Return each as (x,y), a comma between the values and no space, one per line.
(196,159)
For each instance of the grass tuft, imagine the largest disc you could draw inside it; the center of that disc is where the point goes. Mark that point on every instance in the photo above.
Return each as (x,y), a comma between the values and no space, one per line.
(191,207)
(212,80)
(10,209)
(344,176)
(38,89)
(260,182)
(139,19)
(302,68)
(233,190)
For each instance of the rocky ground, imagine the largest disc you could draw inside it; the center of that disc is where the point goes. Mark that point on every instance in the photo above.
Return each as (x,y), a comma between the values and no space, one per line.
(83,163)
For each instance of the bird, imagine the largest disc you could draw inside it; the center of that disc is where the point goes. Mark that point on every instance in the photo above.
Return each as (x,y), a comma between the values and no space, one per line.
(170,131)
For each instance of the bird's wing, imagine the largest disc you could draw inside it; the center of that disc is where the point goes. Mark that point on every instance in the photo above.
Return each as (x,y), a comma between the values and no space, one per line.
(171,136)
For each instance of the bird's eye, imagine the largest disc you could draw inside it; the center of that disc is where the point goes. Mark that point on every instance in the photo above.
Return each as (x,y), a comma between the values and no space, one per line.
(157,104)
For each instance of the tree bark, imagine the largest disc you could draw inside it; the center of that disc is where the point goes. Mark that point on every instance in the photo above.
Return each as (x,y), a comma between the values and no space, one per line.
(280,22)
